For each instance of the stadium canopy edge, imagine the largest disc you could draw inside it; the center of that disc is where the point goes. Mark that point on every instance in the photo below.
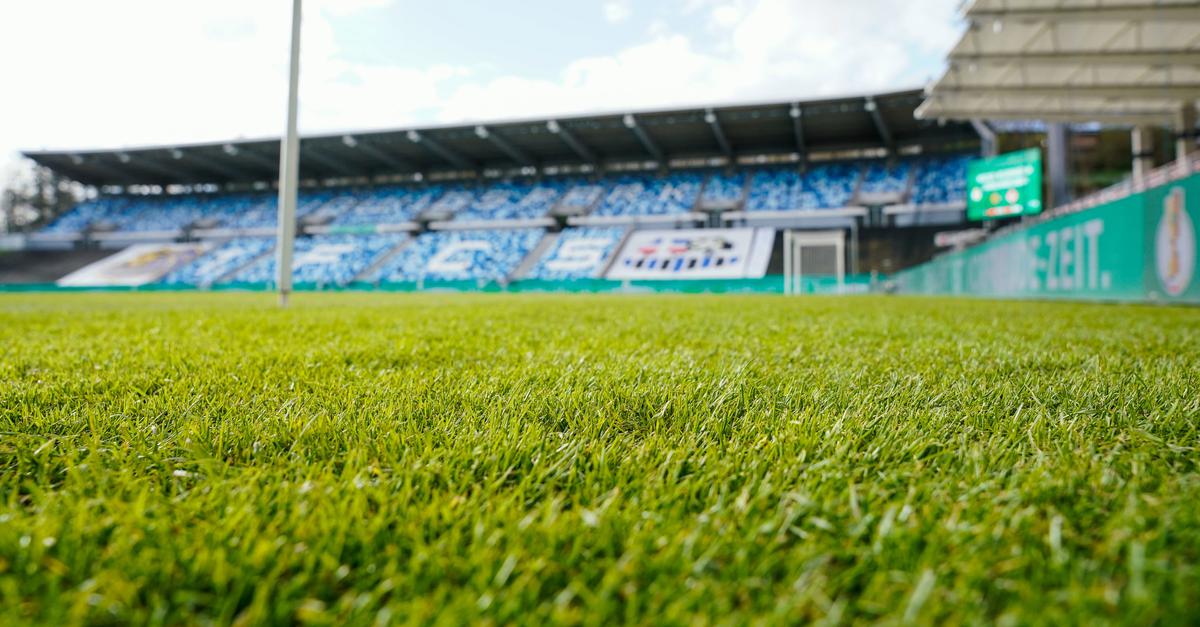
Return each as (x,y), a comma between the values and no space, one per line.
(748,133)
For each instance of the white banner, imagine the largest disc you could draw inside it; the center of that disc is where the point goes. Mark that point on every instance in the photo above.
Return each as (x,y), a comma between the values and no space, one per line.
(137,265)
(694,254)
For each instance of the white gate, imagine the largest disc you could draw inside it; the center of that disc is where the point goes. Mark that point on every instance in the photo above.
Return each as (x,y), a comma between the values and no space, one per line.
(813,254)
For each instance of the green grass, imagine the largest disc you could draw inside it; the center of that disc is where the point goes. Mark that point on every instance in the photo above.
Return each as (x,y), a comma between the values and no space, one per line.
(187,458)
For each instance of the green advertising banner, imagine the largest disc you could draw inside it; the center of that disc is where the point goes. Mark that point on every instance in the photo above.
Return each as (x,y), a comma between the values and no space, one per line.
(1172,229)
(1005,186)
(1138,248)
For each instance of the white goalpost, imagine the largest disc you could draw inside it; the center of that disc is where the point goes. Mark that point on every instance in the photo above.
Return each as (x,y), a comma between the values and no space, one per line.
(289,169)
(813,254)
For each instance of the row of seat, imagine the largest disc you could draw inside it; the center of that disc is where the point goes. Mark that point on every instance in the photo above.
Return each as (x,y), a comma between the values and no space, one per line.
(826,185)
(471,255)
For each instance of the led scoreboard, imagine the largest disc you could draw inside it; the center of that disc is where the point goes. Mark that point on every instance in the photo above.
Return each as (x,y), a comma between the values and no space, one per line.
(1004,186)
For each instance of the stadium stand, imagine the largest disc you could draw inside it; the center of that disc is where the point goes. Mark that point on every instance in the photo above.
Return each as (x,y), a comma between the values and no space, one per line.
(220,262)
(941,180)
(453,200)
(109,210)
(829,185)
(648,195)
(775,189)
(324,259)
(583,195)
(881,177)
(391,204)
(724,189)
(514,200)
(470,255)
(578,253)
(822,186)
(666,169)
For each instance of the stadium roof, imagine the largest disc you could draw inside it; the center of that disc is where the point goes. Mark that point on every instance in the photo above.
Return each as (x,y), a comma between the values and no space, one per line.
(1118,61)
(835,124)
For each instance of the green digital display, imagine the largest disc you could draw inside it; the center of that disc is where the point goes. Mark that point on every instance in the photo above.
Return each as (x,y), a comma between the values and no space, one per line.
(1004,186)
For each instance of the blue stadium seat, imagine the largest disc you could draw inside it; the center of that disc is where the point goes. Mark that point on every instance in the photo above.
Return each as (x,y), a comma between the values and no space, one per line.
(648,195)
(578,253)
(508,200)
(829,185)
(222,260)
(113,210)
(822,186)
(583,195)
(723,189)
(391,204)
(941,180)
(775,189)
(882,178)
(460,255)
(453,200)
(324,259)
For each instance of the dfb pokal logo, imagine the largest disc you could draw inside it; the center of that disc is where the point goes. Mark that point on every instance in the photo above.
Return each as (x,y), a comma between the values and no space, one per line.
(1175,245)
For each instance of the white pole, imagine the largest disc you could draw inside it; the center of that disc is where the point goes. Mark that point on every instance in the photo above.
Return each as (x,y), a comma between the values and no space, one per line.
(289,171)
(787,262)
(841,262)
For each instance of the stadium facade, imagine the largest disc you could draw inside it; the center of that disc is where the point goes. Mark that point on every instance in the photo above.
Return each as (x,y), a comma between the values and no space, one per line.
(701,193)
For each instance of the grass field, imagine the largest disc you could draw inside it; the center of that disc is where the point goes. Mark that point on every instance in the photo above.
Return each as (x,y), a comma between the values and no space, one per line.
(183,458)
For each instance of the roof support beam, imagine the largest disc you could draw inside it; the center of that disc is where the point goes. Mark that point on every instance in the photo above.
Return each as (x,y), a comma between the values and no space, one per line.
(153,167)
(1152,58)
(377,153)
(440,150)
(572,142)
(1066,115)
(710,117)
(797,115)
(259,160)
(631,123)
(1091,13)
(1156,92)
(116,176)
(212,165)
(885,133)
(987,136)
(315,156)
(505,146)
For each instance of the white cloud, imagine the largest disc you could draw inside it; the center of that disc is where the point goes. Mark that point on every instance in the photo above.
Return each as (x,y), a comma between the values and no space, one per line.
(616,11)
(756,49)
(133,72)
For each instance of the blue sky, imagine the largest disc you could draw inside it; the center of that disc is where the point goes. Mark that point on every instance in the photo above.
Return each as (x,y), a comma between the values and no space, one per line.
(136,72)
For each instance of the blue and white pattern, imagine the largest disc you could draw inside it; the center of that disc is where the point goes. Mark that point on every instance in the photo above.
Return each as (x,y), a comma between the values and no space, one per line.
(114,210)
(247,211)
(454,200)
(460,255)
(390,204)
(775,189)
(514,201)
(219,262)
(823,186)
(941,180)
(829,185)
(882,178)
(648,195)
(724,189)
(324,260)
(583,195)
(578,253)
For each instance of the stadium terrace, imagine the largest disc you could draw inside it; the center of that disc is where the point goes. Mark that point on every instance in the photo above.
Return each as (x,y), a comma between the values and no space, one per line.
(550,199)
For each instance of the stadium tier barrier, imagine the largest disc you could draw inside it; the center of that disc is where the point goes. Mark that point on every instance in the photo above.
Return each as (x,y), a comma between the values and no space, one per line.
(1131,243)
